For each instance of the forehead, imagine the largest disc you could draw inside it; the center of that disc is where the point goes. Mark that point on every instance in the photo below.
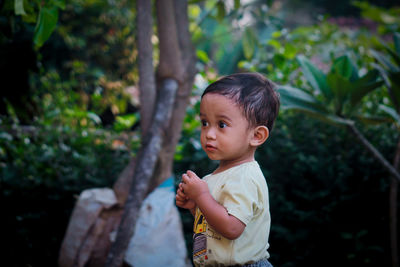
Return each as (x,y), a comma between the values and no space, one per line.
(219,105)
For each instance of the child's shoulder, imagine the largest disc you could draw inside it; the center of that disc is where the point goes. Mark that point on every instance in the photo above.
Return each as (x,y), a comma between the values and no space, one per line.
(246,171)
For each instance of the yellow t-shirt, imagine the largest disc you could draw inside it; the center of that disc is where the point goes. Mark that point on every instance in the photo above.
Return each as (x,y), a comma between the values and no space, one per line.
(242,190)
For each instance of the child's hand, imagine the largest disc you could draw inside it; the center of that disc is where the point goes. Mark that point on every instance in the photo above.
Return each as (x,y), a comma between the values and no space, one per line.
(182,200)
(193,186)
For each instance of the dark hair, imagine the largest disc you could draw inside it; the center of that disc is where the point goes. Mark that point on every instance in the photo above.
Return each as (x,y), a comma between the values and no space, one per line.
(254,93)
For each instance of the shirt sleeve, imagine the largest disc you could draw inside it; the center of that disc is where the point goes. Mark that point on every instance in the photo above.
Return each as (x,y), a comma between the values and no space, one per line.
(240,198)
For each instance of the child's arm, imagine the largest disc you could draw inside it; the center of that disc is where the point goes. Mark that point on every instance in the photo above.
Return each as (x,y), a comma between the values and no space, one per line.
(216,215)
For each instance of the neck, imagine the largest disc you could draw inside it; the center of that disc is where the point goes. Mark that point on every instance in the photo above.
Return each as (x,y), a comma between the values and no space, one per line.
(227,164)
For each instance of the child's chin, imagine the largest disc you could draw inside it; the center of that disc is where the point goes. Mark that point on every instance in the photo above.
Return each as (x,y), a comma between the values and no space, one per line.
(213,157)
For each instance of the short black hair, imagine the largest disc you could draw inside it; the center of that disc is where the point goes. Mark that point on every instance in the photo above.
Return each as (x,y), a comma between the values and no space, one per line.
(255,95)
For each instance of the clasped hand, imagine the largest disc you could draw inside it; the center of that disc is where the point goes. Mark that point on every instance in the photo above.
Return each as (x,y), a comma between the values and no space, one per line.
(189,190)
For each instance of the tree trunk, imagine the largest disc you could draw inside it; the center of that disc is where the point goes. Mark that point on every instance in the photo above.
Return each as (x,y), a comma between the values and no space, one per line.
(377,155)
(394,184)
(145,164)
(182,51)
(147,84)
(177,70)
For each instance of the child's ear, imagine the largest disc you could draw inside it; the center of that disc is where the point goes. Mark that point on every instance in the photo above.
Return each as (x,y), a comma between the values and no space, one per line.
(261,134)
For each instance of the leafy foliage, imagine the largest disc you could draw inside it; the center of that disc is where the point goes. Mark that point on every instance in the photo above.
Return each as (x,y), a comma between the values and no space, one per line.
(43,168)
(335,96)
(328,201)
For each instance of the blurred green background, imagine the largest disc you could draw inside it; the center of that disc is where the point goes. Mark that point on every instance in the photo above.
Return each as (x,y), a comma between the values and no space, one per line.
(69,117)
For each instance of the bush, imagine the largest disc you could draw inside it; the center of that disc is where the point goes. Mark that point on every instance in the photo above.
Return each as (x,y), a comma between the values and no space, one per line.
(43,170)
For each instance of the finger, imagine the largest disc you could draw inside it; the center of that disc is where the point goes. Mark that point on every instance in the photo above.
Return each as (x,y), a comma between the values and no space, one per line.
(185,178)
(183,188)
(180,186)
(180,202)
(191,174)
(180,198)
(181,194)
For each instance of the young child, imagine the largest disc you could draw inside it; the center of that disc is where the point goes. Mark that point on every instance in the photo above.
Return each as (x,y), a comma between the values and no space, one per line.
(230,206)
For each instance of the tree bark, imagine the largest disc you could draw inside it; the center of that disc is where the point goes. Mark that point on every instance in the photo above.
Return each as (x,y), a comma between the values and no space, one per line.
(145,164)
(393,190)
(181,51)
(147,84)
(155,158)
(377,155)
(170,65)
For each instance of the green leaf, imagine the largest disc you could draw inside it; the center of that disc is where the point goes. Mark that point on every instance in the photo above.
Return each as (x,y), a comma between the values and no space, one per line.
(394,54)
(94,117)
(46,24)
(296,99)
(391,112)
(315,77)
(19,7)
(249,43)
(202,55)
(345,68)
(363,86)
(290,96)
(339,85)
(290,51)
(275,43)
(125,122)
(384,61)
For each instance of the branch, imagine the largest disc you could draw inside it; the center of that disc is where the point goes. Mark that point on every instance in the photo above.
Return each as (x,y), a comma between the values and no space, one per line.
(185,43)
(145,166)
(377,155)
(147,84)
(170,65)
(184,58)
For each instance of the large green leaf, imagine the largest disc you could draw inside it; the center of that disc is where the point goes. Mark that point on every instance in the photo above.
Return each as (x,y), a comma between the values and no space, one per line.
(393,53)
(294,96)
(363,86)
(391,112)
(345,68)
(296,99)
(384,61)
(315,77)
(46,24)
(340,86)
(392,86)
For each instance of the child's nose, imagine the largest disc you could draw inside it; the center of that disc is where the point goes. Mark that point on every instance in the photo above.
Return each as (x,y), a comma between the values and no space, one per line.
(211,133)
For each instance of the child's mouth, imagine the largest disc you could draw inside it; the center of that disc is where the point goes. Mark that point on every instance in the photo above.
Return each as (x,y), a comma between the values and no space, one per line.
(211,148)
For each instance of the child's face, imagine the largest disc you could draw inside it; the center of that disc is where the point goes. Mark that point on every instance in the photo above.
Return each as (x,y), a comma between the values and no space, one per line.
(225,132)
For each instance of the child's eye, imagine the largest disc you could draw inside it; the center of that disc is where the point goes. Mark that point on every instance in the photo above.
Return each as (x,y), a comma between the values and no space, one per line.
(204,123)
(222,124)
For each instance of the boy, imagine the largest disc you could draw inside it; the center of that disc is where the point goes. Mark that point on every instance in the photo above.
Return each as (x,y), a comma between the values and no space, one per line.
(230,206)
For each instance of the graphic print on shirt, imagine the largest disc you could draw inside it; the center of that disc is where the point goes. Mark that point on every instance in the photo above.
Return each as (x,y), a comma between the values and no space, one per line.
(199,237)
